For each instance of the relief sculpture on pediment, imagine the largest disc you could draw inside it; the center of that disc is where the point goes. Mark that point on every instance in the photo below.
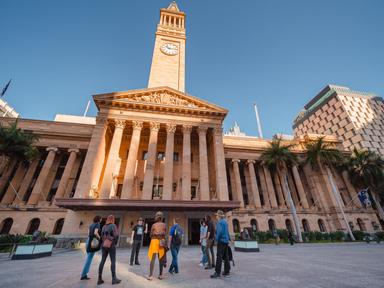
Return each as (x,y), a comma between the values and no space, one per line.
(164,98)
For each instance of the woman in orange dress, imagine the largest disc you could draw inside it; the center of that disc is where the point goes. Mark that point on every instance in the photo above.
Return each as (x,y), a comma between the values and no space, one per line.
(158,245)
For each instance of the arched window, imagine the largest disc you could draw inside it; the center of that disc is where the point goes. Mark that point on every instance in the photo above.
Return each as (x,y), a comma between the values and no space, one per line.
(58,226)
(321,224)
(236,226)
(6,226)
(271,224)
(33,226)
(288,224)
(254,225)
(361,224)
(306,225)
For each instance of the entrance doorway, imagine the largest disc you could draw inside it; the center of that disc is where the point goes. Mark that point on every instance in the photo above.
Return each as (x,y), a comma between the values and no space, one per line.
(147,238)
(193,231)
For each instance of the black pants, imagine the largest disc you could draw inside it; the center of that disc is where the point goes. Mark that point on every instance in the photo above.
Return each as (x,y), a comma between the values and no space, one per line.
(135,251)
(222,255)
(210,253)
(112,255)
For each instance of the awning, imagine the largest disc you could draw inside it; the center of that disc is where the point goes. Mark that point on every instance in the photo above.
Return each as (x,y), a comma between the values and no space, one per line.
(83,204)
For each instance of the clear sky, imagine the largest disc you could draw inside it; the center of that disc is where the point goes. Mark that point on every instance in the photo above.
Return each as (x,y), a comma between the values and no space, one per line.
(277,53)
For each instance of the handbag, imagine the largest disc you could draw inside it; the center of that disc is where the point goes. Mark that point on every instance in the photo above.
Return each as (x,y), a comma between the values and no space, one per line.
(95,243)
(107,243)
(163,243)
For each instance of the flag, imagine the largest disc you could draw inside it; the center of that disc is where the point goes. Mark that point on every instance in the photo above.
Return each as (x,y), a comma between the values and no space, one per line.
(5,88)
(364,198)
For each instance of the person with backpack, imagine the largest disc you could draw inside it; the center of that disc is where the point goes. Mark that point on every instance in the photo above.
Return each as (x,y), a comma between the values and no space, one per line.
(175,240)
(92,245)
(110,236)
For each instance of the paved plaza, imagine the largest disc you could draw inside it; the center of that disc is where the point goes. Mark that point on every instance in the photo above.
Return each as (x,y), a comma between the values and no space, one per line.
(307,265)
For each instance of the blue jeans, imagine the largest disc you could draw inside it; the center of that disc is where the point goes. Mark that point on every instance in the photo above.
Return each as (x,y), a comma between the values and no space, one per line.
(174,265)
(87,264)
(204,260)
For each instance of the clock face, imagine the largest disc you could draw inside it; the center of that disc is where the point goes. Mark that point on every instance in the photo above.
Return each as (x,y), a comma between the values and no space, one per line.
(169,49)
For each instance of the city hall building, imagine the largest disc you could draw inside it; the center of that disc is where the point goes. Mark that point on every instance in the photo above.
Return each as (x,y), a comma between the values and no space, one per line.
(159,148)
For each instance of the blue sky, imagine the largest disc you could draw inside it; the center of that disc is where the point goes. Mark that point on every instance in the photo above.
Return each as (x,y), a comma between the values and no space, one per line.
(277,53)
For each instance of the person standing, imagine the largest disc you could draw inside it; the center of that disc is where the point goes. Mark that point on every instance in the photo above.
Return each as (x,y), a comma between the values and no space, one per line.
(158,245)
(222,239)
(110,236)
(275,235)
(290,237)
(203,242)
(175,240)
(210,242)
(136,240)
(92,245)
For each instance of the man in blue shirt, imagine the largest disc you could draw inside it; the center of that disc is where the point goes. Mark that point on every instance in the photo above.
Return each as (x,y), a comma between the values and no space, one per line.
(175,240)
(222,239)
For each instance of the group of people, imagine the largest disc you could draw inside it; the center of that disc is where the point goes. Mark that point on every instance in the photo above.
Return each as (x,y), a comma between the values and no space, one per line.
(106,240)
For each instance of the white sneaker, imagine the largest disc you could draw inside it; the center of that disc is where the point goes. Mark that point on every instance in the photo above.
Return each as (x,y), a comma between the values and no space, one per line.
(201,264)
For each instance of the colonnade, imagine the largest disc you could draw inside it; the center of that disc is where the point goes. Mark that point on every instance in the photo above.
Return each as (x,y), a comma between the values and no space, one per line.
(100,167)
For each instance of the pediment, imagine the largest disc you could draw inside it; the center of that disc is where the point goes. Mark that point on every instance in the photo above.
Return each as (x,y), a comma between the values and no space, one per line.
(160,97)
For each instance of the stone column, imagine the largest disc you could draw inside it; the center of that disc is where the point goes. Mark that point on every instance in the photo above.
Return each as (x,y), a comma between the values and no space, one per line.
(239,190)
(27,180)
(264,187)
(40,182)
(300,188)
(254,187)
(151,161)
(93,162)
(10,194)
(271,191)
(203,164)
(168,162)
(7,173)
(351,190)
(106,185)
(129,176)
(186,168)
(221,172)
(67,173)
(279,190)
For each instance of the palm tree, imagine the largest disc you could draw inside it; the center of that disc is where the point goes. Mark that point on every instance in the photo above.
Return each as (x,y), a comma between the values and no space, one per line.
(278,157)
(322,155)
(15,145)
(366,170)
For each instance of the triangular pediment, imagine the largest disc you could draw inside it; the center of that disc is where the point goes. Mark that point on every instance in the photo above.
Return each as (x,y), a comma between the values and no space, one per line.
(159,97)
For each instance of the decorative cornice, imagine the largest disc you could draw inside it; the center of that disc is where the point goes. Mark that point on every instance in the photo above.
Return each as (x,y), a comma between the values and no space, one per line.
(119,123)
(202,130)
(171,128)
(73,150)
(187,128)
(101,120)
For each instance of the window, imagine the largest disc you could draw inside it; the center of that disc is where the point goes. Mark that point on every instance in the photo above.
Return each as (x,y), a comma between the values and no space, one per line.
(6,226)
(58,226)
(33,226)
(271,225)
(361,224)
(321,224)
(306,225)
(191,158)
(236,226)
(288,225)
(160,156)
(254,225)
(193,192)
(145,155)
(119,190)
(175,156)
(157,191)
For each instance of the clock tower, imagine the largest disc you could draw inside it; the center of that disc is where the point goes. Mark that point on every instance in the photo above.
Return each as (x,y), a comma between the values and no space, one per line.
(168,61)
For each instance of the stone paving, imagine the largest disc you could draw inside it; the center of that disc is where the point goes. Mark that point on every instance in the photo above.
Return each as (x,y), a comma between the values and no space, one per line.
(307,265)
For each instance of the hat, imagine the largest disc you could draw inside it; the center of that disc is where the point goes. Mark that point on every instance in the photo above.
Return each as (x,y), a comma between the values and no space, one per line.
(220,213)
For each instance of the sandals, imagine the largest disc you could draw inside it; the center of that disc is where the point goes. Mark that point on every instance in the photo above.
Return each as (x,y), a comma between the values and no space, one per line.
(160,277)
(150,278)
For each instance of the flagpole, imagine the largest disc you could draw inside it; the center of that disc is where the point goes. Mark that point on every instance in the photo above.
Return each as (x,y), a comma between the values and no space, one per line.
(86,109)
(258,120)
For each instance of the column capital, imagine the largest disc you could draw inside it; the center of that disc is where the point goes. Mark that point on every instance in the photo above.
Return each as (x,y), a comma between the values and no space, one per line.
(171,128)
(235,160)
(202,130)
(74,150)
(154,126)
(249,161)
(187,128)
(101,120)
(54,149)
(218,130)
(137,125)
(119,123)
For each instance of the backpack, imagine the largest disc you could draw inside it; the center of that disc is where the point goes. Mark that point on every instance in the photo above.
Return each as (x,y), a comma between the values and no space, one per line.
(177,236)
